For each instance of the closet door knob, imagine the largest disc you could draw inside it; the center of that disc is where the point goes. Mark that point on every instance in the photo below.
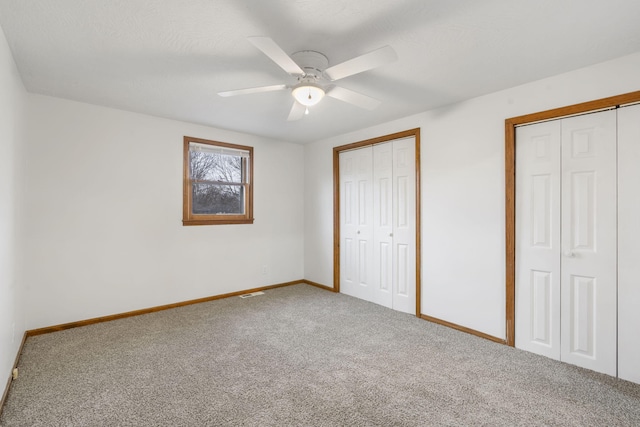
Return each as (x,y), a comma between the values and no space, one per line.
(569,254)
(358,232)
(390,234)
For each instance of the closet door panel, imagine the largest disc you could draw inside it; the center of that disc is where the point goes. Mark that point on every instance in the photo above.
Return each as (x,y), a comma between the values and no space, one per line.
(383,224)
(589,228)
(538,238)
(356,223)
(404,225)
(629,243)
(348,223)
(378,224)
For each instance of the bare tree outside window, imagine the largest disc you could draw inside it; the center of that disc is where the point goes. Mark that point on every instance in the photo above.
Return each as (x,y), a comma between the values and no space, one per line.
(218,182)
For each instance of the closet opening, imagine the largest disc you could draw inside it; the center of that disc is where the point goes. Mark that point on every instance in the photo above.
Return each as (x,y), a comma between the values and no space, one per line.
(510,181)
(380,264)
(572,173)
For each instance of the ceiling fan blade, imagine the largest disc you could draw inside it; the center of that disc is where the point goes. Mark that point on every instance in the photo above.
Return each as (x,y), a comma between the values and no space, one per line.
(277,55)
(297,111)
(252,90)
(361,63)
(355,98)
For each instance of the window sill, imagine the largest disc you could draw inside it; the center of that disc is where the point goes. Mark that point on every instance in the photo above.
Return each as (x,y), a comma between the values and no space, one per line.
(216,221)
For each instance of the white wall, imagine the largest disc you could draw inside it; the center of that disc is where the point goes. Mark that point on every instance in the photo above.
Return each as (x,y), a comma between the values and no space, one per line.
(463,209)
(12,115)
(103,204)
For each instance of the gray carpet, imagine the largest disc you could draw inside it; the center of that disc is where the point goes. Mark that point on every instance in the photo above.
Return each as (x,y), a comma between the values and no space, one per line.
(305,357)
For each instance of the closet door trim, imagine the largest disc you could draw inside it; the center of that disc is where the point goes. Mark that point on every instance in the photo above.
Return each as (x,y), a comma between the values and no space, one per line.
(510,186)
(415,133)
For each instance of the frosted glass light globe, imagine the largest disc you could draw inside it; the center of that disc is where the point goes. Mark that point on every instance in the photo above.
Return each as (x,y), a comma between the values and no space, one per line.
(308,94)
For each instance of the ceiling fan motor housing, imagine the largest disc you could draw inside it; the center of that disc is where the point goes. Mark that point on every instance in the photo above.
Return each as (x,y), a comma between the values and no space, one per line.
(312,63)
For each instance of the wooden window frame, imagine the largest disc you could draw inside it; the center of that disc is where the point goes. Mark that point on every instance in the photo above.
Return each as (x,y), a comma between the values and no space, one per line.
(188,217)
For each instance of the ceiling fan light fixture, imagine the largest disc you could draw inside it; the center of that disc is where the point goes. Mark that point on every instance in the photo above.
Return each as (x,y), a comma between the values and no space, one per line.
(307,93)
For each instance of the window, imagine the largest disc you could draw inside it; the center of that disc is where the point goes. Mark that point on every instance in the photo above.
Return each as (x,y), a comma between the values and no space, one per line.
(218,183)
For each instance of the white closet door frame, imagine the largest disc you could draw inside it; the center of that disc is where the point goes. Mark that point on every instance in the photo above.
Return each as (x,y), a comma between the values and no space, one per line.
(338,252)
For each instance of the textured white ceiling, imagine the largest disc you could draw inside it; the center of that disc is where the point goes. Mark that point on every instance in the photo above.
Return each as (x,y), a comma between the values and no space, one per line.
(170,58)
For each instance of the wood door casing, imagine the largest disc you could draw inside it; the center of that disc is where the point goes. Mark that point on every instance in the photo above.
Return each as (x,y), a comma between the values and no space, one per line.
(510,186)
(337,256)
(378,223)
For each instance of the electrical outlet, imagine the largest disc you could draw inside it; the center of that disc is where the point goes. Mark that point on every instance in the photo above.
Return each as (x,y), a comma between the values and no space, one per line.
(14,373)
(264,270)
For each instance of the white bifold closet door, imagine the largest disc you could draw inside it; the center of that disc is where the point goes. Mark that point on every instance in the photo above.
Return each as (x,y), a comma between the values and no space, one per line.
(538,155)
(356,223)
(629,243)
(566,240)
(377,224)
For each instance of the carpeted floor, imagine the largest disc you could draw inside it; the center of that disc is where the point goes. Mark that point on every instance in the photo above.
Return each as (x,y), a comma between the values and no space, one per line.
(305,357)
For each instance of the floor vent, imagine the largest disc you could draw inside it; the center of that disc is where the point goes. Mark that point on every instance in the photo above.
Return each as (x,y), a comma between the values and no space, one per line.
(252,294)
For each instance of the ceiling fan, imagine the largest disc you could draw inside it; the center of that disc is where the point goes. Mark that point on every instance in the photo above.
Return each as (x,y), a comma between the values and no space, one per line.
(315,76)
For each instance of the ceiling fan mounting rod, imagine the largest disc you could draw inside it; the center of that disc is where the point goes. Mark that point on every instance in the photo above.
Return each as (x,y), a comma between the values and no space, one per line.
(308,78)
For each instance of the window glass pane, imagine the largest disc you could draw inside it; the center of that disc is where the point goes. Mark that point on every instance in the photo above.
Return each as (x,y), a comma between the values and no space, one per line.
(213,199)
(213,148)
(215,167)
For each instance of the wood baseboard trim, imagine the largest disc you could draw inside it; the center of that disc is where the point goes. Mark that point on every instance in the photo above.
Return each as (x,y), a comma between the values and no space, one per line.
(10,380)
(429,319)
(62,327)
(463,329)
(318,285)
